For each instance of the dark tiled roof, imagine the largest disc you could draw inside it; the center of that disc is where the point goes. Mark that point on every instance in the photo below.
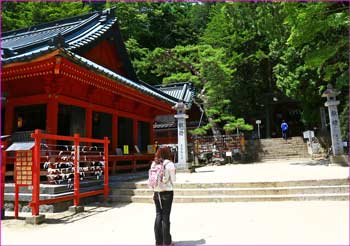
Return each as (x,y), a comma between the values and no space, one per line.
(141,86)
(170,124)
(70,36)
(180,91)
(70,33)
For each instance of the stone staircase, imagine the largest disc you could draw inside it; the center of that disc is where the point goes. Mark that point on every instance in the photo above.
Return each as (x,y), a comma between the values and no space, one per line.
(276,148)
(327,189)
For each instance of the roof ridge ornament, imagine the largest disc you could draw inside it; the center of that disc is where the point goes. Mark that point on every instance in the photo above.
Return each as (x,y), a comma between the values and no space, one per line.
(110,12)
(58,41)
(106,15)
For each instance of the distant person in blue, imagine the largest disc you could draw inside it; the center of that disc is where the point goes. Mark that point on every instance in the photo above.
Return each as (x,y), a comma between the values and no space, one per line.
(284,127)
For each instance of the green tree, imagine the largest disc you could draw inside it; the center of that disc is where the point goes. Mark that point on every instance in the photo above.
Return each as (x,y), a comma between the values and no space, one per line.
(237,54)
(17,15)
(315,54)
(207,69)
(246,31)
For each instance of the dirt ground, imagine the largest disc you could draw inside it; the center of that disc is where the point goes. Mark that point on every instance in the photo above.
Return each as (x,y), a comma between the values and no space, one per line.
(317,223)
(252,223)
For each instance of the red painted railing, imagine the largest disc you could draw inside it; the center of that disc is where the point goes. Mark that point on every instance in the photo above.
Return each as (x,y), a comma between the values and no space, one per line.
(3,171)
(77,140)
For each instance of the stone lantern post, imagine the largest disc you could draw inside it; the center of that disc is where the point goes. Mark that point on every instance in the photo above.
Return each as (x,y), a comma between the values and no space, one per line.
(182,153)
(337,145)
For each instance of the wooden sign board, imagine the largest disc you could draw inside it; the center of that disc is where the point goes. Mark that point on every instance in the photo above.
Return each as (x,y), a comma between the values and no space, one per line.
(24,164)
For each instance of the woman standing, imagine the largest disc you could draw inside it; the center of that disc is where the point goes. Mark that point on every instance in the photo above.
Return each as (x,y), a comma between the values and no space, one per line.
(163,196)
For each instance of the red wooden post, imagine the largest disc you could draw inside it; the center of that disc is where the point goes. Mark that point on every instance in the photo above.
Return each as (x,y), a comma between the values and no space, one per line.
(3,174)
(134,163)
(114,133)
(135,134)
(106,189)
(76,169)
(52,117)
(36,172)
(88,122)
(9,116)
(16,197)
(151,132)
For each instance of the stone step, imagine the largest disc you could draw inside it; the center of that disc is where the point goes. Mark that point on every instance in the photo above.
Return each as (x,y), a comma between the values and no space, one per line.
(281,140)
(279,154)
(292,148)
(277,148)
(261,184)
(235,198)
(241,191)
(281,145)
(324,189)
(27,196)
(281,157)
(52,188)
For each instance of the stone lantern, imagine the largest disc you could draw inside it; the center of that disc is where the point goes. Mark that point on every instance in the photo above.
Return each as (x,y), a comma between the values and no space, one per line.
(182,153)
(337,145)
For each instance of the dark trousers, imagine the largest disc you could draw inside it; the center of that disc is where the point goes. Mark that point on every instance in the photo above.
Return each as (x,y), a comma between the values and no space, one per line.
(284,134)
(163,201)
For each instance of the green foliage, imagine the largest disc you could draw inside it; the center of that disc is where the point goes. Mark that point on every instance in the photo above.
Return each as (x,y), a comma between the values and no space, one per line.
(17,15)
(315,54)
(208,69)
(238,124)
(235,53)
(344,120)
(198,131)
(161,25)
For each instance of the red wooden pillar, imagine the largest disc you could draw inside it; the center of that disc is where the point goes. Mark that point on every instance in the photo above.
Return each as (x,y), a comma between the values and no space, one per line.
(114,140)
(151,132)
(106,181)
(76,170)
(9,117)
(3,173)
(88,122)
(52,117)
(36,173)
(135,134)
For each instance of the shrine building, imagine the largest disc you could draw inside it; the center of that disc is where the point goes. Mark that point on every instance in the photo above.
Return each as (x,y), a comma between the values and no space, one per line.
(74,76)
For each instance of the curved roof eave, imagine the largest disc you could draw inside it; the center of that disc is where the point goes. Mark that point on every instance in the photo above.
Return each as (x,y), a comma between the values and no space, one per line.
(140,86)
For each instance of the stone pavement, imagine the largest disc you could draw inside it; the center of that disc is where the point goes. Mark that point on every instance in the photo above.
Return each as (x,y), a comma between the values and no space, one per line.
(268,223)
(276,170)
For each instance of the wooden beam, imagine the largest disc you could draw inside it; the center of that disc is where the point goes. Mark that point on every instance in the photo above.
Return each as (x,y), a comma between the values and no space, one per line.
(46,57)
(29,100)
(76,102)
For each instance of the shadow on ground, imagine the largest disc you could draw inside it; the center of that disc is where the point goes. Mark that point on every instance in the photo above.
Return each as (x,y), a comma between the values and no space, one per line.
(312,163)
(190,242)
(65,218)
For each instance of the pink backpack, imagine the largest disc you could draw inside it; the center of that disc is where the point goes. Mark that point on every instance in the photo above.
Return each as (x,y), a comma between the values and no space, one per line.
(155,175)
